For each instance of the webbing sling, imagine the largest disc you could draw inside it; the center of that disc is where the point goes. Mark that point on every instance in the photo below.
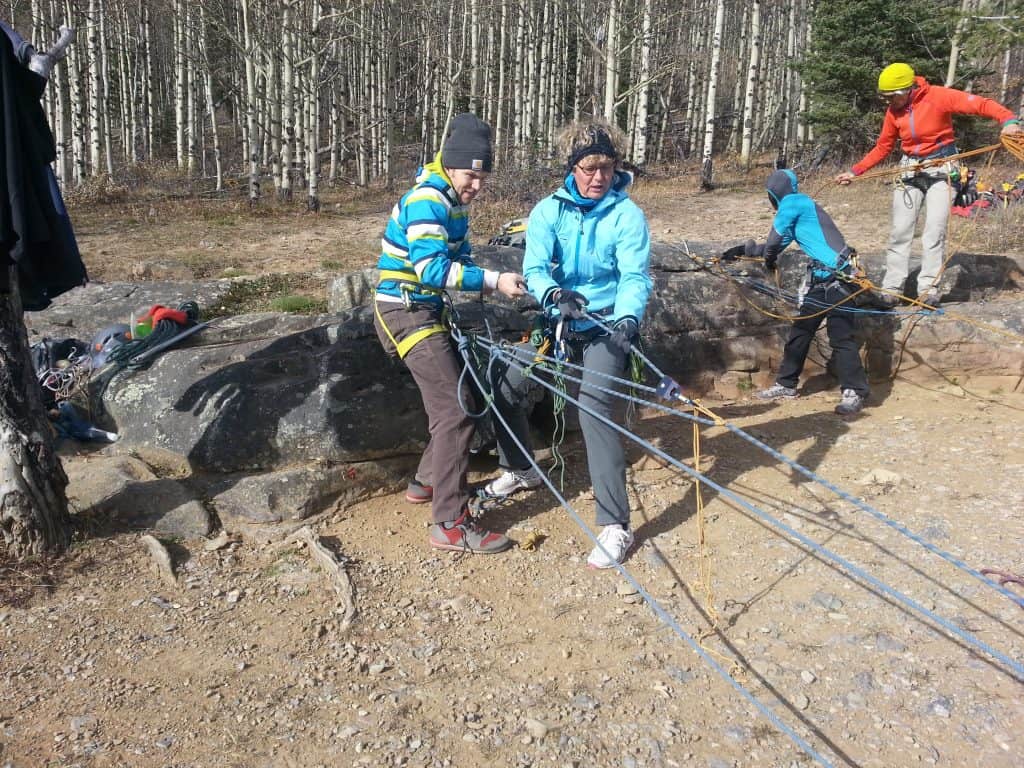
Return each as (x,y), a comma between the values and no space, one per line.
(404,347)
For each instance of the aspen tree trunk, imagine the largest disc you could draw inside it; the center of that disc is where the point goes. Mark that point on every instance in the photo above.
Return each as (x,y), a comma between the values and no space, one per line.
(363,156)
(250,106)
(499,125)
(150,102)
(95,89)
(273,110)
(332,173)
(490,112)
(577,100)
(474,56)
(313,121)
(284,189)
(298,172)
(518,84)
(192,145)
(108,151)
(753,67)
(707,166)
(180,82)
(788,100)
(1004,80)
(737,95)
(126,81)
(954,49)
(643,94)
(805,132)
(77,105)
(611,62)
(58,84)
(211,105)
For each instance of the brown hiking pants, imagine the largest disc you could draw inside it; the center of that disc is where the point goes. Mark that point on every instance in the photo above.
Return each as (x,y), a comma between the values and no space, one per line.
(435,365)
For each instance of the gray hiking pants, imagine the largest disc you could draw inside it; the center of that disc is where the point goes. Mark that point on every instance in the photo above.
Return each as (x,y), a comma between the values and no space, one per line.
(907,201)
(605,456)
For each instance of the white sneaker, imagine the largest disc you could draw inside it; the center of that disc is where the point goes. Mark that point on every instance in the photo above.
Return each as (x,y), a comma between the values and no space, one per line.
(613,542)
(508,482)
(851,404)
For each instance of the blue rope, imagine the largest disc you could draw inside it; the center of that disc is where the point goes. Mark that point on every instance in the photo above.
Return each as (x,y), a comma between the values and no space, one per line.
(648,598)
(850,567)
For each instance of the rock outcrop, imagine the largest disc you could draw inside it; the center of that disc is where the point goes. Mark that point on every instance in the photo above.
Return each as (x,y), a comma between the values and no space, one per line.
(280,416)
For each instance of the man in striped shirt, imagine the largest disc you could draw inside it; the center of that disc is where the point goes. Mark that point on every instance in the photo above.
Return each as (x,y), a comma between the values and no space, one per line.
(424,252)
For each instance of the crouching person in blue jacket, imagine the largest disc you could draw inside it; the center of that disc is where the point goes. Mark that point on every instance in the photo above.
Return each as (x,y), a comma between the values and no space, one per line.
(801,220)
(588,251)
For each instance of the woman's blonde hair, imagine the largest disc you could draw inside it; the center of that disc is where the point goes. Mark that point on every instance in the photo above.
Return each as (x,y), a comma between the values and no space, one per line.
(577,137)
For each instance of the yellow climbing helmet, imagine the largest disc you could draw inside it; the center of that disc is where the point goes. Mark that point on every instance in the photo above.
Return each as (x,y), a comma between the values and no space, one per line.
(895,77)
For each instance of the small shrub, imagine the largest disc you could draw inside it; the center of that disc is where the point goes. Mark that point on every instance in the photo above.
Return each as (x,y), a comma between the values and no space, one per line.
(303,305)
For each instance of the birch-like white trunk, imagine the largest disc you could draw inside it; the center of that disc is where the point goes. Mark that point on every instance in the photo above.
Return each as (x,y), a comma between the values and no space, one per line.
(180,83)
(250,105)
(954,49)
(95,92)
(753,67)
(211,106)
(284,187)
(707,165)
(611,61)
(643,94)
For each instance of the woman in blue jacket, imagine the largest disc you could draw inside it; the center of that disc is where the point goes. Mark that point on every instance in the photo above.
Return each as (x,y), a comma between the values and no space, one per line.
(588,250)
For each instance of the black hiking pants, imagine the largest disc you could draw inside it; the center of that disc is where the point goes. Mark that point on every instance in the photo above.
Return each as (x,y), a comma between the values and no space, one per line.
(840,324)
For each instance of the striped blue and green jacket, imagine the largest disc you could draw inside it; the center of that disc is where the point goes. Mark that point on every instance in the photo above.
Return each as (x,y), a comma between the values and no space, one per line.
(426,246)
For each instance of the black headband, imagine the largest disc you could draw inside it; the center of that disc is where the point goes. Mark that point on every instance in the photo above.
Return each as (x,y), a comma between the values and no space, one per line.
(600,144)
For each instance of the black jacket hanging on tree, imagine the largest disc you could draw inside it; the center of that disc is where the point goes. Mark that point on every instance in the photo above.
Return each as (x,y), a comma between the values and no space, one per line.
(35,231)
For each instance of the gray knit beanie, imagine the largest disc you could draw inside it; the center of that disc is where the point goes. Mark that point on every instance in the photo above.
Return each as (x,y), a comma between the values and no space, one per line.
(468,145)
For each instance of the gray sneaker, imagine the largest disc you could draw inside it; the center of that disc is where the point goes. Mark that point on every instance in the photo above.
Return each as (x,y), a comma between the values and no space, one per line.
(778,392)
(463,535)
(851,404)
(509,482)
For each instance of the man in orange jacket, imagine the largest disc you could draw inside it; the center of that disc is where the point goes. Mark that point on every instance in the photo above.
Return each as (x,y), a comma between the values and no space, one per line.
(920,116)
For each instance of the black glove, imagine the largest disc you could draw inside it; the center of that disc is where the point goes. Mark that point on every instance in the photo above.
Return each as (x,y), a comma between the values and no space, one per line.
(770,262)
(733,253)
(570,304)
(623,333)
(751,248)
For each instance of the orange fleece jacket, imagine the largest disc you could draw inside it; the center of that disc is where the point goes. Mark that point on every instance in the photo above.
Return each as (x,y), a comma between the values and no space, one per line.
(925,124)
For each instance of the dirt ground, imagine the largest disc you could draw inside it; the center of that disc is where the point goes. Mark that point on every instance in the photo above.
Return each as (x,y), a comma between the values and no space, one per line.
(529,658)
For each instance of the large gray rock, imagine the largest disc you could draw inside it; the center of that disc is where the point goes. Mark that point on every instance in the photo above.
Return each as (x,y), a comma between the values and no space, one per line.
(290,496)
(126,491)
(283,408)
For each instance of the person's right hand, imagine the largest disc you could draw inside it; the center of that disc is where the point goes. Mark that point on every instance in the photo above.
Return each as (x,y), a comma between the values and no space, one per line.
(511,284)
(844,178)
(1011,129)
(570,304)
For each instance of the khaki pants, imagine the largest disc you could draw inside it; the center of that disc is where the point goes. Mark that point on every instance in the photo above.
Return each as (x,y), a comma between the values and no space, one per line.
(907,201)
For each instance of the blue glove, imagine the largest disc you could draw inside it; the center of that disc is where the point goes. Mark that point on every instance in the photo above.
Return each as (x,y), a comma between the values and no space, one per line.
(624,332)
(570,304)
